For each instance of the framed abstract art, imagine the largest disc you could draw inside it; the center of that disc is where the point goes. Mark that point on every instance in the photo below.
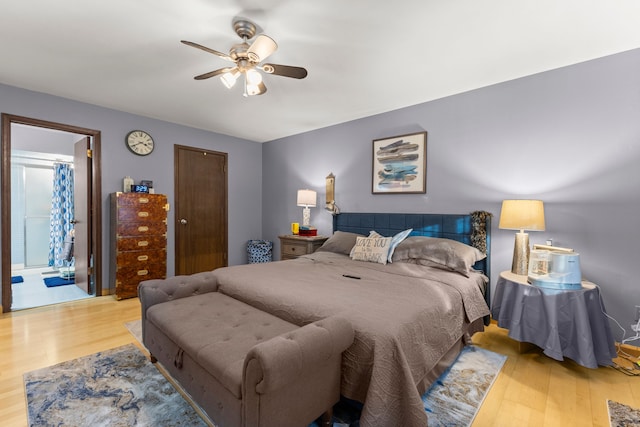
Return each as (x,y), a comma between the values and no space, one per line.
(400,164)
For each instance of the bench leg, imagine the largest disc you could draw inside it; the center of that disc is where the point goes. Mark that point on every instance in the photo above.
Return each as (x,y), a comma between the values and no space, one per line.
(325,419)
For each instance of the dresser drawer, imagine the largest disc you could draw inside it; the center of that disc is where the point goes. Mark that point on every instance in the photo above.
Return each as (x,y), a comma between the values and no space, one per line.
(137,199)
(129,278)
(141,259)
(140,243)
(153,213)
(142,228)
(136,274)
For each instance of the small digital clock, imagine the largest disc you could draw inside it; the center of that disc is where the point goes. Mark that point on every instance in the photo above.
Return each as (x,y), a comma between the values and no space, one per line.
(139,188)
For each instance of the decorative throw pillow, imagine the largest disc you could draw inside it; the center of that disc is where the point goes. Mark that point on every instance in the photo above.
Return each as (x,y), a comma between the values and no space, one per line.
(341,242)
(395,241)
(449,253)
(372,233)
(371,249)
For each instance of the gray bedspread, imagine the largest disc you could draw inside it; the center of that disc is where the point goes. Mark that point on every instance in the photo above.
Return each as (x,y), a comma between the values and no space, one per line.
(405,317)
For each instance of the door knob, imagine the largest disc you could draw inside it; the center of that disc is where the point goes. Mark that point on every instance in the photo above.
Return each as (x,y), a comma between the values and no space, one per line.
(183,221)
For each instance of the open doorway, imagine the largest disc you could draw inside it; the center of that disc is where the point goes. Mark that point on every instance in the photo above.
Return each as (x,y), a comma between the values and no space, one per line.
(50,230)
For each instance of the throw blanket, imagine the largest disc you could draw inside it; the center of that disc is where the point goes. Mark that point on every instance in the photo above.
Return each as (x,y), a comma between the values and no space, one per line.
(405,317)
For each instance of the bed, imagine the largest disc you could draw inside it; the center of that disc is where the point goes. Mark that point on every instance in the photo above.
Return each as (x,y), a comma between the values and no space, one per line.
(412,316)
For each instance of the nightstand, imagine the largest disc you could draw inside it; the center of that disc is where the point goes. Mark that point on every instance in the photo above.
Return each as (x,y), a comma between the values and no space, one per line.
(292,246)
(569,323)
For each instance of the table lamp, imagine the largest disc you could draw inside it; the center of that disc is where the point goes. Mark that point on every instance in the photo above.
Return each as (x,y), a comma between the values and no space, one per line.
(306,198)
(521,215)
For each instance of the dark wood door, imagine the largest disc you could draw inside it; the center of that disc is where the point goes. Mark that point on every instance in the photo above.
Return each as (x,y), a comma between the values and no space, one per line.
(81,212)
(200,209)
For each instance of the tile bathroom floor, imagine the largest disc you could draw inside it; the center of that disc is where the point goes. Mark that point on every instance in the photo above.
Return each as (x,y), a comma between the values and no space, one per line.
(33,292)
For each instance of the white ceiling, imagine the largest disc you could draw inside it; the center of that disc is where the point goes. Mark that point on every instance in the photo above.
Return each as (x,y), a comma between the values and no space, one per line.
(363,57)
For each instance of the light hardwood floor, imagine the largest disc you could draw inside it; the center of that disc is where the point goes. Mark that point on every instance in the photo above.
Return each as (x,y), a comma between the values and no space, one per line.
(531,390)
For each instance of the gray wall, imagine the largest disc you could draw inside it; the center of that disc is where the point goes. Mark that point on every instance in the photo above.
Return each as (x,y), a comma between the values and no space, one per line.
(245,162)
(570,137)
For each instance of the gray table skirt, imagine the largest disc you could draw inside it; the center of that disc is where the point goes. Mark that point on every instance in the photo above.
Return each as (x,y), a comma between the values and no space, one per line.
(568,323)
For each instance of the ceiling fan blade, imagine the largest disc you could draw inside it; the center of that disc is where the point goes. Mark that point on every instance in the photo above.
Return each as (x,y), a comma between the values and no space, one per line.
(261,48)
(213,73)
(206,49)
(285,70)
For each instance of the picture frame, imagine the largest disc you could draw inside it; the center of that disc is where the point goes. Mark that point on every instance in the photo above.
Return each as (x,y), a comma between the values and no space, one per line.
(399,164)
(146,182)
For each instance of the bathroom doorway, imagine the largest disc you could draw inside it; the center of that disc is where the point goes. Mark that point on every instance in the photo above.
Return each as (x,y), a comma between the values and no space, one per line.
(50,230)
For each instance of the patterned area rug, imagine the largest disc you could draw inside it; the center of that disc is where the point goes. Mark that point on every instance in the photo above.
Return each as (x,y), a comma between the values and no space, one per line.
(455,398)
(118,387)
(622,415)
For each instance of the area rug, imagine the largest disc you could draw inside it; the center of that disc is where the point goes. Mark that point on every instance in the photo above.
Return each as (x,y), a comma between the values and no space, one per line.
(17,279)
(51,282)
(118,387)
(455,398)
(135,328)
(621,415)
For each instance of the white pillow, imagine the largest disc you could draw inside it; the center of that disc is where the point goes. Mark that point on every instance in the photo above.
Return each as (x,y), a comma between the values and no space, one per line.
(371,249)
(372,233)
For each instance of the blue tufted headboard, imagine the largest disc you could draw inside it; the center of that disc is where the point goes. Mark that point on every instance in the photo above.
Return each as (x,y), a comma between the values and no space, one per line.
(455,227)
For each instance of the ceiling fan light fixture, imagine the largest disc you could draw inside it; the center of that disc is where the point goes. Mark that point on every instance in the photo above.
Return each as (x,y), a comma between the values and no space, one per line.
(253,77)
(252,89)
(262,47)
(229,78)
(247,59)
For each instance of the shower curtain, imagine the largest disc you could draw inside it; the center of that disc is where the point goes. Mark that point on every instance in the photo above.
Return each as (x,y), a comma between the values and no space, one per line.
(61,212)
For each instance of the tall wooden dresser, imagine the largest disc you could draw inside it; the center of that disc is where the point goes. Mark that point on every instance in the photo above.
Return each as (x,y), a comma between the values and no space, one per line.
(138,240)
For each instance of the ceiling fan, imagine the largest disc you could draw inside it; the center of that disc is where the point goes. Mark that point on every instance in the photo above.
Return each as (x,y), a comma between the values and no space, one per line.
(248,61)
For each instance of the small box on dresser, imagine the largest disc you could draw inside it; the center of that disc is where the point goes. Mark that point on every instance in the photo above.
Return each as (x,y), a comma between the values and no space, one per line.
(292,246)
(138,241)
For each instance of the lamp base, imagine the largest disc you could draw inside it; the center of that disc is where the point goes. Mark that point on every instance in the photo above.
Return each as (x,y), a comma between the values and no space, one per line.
(520,264)
(306,216)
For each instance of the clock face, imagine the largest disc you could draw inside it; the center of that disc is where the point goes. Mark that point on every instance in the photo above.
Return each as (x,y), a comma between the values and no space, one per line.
(139,142)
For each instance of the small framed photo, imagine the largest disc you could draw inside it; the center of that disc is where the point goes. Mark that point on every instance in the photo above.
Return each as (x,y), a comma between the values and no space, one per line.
(146,182)
(400,164)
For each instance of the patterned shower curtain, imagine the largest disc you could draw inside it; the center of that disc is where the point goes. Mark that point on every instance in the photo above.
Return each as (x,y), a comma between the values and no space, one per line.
(61,212)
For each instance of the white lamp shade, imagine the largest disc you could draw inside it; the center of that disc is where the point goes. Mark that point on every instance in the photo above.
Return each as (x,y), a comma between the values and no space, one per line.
(229,78)
(262,47)
(522,215)
(307,198)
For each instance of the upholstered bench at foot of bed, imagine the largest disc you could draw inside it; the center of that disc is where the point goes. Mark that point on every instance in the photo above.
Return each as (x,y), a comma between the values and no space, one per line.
(244,366)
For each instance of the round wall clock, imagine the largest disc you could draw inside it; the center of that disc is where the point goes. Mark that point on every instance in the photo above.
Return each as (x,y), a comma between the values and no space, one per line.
(139,142)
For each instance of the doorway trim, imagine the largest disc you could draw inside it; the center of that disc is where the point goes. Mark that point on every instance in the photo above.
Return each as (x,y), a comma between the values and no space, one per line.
(96,197)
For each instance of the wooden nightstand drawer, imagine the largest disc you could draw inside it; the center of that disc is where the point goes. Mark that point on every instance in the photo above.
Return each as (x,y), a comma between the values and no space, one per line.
(294,246)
